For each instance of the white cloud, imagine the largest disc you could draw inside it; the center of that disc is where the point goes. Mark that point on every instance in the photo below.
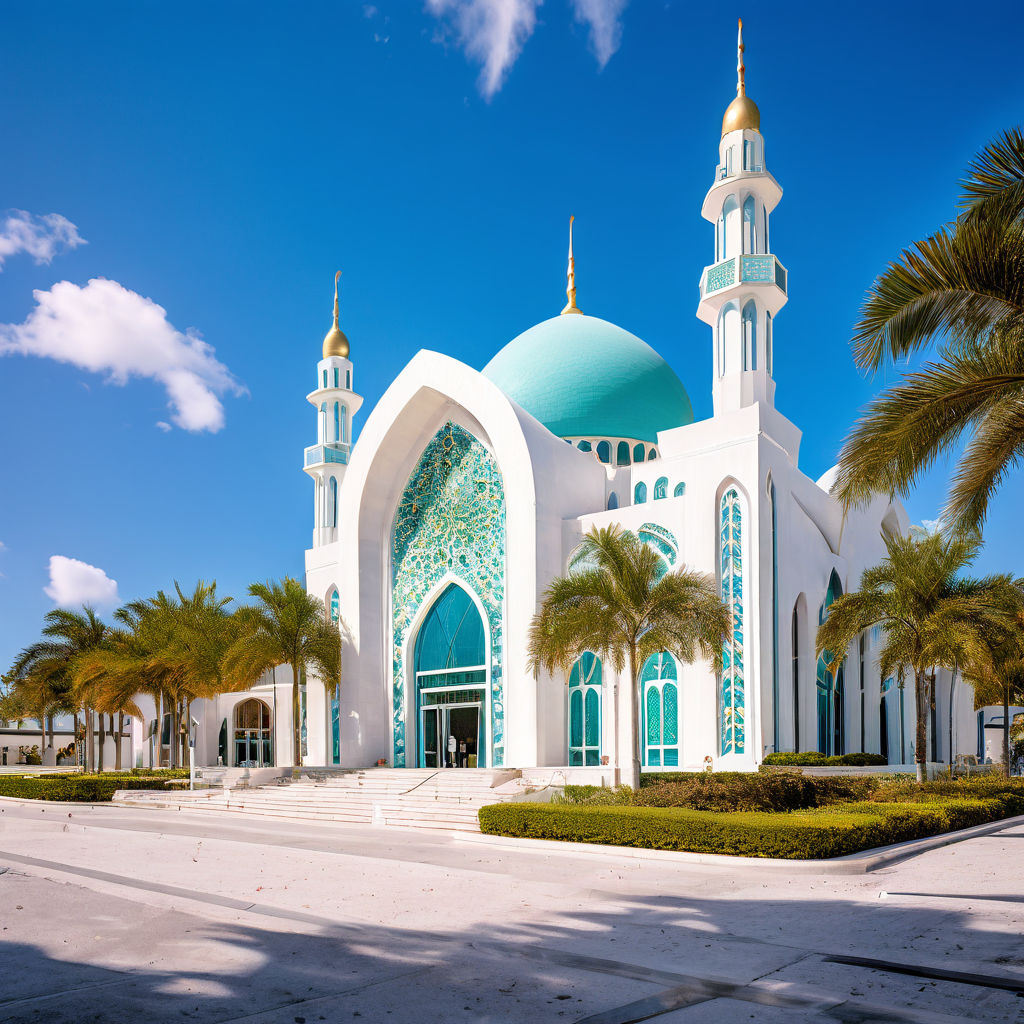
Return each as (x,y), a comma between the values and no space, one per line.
(74,583)
(106,328)
(492,32)
(603,18)
(41,237)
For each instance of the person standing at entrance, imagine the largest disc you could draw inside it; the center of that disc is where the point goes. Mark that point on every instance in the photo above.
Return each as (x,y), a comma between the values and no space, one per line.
(462,753)
(452,743)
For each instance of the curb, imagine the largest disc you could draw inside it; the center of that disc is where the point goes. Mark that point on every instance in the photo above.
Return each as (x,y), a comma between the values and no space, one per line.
(851,864)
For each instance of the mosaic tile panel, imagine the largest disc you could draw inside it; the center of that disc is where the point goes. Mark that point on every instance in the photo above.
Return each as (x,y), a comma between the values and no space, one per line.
(661,539)
(733,682)
(451,519)
(759,268)
(721,275)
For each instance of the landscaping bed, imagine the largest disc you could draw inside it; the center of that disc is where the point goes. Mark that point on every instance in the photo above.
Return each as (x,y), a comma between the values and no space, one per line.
(800,823)
(85,788)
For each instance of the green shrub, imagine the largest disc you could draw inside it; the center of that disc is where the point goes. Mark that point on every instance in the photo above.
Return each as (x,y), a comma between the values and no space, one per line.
(595,795)
(80,788)
(815,833)
(816,759)
(749,791)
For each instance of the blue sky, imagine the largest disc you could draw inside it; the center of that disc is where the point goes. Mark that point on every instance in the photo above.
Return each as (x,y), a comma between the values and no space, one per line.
(221,160)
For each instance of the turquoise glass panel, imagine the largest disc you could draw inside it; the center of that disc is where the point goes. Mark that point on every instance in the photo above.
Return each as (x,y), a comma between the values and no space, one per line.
(640,493)
(731,725)
(679,491)
(585,446)
(604,452)
(622,454)
(661,488)
(576,719)
(670,702)
(653,717)
(638,452)
(592,706)
(452,635)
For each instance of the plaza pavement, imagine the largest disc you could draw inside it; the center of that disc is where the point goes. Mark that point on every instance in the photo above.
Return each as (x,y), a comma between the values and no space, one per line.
(121,915)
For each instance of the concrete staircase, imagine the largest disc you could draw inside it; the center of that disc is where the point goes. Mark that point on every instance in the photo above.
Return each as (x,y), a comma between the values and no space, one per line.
(407,797)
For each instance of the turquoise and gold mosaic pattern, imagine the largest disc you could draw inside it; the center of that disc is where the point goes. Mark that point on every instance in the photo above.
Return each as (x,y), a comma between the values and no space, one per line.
(451,519)
(733,683)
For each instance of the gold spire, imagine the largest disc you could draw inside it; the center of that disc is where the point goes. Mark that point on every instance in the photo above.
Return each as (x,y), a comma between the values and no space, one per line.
(570,288)
(742,112)
(335,342)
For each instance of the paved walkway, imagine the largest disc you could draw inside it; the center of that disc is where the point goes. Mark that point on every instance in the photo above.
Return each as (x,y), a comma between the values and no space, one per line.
(117,914)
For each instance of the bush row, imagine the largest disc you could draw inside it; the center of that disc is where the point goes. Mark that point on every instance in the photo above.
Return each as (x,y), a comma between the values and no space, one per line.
(814,758)
(726,791)
(80,788)
(809,834)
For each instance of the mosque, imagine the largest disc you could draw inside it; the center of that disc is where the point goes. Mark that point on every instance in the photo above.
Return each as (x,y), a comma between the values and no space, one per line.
(437,533)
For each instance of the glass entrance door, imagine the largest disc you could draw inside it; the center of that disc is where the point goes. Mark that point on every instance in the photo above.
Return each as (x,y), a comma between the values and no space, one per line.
(450,735)
(431,730)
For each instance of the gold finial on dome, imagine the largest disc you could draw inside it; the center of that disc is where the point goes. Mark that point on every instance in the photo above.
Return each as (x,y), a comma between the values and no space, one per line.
(570,288)
(335,342)
(742,112)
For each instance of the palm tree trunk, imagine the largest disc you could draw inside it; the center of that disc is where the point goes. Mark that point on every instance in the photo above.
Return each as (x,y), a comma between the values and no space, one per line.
(49,724)
(296,719)
(117,749)
(634,714)
(1006,730)
(74,734)
(100,738)
(90,742)
(921,742)
(159,730)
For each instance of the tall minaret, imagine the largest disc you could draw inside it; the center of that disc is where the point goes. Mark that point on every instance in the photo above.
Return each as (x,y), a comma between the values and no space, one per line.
(336,404)
(745,287)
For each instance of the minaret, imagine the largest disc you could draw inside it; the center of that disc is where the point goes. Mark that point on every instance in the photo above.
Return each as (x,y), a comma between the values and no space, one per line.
(745,287)
(336,404)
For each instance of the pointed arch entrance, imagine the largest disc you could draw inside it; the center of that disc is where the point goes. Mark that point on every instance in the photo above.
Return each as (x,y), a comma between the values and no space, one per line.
(450,669)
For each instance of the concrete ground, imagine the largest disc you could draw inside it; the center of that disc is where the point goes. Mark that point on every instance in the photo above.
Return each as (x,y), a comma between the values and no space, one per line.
(122,914)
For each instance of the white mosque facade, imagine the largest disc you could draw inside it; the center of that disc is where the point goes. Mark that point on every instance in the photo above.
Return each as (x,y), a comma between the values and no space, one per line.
(438,532)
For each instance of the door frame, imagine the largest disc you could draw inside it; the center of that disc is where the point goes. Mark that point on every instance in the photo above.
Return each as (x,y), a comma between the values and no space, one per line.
(443,730)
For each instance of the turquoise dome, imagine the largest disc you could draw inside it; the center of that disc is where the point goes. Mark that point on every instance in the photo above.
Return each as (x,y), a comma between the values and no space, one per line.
(584,377)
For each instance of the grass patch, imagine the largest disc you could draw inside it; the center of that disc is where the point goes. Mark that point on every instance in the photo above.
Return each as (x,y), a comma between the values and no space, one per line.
(80,788)
(798,835)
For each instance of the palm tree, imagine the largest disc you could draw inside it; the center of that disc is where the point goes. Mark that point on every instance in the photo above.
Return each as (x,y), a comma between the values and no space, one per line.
(286,627)
(997,670)
(619,602)
(963,286)
(48,666)
(932,615)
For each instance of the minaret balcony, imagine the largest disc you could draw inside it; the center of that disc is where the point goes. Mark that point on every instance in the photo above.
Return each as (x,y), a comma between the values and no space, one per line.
(331,451)
(756,180)
(760,272)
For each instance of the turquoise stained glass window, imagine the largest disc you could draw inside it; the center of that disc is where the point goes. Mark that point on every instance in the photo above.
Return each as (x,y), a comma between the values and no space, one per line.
(622,454)
(604,451)
(325,378)
(830,685)
(732,700)
(451,637)
(337,422)
(585,711)
(640,493)
(334,606)
(337,377)
(638,453)
(652,454)
(661,488)
(659,705)
(679,491)
(613,501)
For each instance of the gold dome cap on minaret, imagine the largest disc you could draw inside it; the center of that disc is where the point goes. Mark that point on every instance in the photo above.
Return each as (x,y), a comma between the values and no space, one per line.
(742,112)
(335,342)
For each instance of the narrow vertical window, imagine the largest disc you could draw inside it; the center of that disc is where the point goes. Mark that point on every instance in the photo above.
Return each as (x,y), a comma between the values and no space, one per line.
(604,452)
(746,155)
(775,613)
(337,422)
(640,493)
(325,378)
(344,424)
(613,501)
(333,503)
(749,233)
(638,453)
(764,230)
(661,488)
(733,678)
(585,711)
(337,377)
(796,678)
(750,336)
(730,211)
(622,454)
(769,357)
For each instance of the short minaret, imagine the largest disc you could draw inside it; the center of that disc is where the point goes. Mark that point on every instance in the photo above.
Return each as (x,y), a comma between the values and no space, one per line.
(336,404)
(745,287)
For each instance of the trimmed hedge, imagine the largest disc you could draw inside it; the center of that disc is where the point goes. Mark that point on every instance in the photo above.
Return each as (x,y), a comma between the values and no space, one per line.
(815,759)
(82,788)
(800,835)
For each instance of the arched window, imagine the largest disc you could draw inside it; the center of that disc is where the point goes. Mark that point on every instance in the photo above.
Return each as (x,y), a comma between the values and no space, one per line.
(344,424)
(730,211)
(733,697)
(679,491)
(720,237)
(750,336)
(325,378)
(613,501)
(638,453)
(661,488)
(640,493)
(746,154)
(795,662)
(622,454)
(764,229)
(585,711)
(774,514)
(604,452)
(585,446)
(830,685)
(323,421)
(659,705)
(768,343)
(332,504)
(337,377)
(333,605)
(652,454)
(348,380)
(337,422)
(749,232)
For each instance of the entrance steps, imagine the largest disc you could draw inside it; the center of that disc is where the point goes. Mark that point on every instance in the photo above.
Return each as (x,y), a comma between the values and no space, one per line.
(448,798)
